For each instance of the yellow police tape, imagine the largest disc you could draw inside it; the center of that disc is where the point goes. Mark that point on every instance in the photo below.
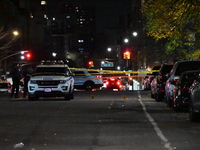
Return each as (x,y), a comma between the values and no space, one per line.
(116,72)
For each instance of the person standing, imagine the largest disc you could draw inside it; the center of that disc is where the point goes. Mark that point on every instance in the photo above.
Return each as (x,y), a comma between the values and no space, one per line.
(27,72)
(16,77)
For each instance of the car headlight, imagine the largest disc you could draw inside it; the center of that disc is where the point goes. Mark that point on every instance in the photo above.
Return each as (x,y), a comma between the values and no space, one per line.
(33,81)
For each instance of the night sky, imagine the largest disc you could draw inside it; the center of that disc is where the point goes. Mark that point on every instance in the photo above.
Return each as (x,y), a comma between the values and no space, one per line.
(107,11)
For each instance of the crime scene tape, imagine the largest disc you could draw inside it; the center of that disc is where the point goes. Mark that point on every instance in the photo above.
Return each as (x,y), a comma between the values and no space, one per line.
(116,72)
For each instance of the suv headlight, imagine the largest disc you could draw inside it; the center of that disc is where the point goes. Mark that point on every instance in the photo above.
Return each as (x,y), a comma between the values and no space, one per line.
(33,81)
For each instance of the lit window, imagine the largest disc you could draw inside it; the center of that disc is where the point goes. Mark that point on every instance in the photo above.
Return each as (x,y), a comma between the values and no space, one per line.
(43,2)
(31,15)
(67,17)
(80,41)
(45,16)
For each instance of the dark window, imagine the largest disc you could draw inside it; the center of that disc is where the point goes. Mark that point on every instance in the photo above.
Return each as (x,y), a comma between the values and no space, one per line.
(187,66)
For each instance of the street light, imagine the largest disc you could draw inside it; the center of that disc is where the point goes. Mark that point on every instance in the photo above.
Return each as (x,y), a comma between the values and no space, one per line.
(109,49)
(134,33)
(126,40)
(15,33)
(54,54)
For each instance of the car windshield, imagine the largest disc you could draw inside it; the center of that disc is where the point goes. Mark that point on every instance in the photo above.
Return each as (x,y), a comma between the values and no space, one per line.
(166,69)
(52,70)
(186,66)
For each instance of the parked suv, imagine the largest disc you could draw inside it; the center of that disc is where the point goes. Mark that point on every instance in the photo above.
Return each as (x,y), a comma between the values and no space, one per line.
(158,83)
(148,79)
(51,79)
(87,80)
(178,68)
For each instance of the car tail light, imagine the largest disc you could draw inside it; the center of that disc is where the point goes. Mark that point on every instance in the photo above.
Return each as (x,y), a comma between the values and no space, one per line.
(107,82)
(99,76)
(118,83)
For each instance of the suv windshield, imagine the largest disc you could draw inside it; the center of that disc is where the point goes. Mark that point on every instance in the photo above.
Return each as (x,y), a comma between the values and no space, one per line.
(186,66)
(52,70)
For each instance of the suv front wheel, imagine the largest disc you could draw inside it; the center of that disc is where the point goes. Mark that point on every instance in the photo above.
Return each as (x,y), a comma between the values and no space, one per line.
(192,114)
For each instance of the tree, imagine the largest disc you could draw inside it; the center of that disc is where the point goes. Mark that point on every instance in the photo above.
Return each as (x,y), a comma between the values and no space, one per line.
(174,20)
(7,39)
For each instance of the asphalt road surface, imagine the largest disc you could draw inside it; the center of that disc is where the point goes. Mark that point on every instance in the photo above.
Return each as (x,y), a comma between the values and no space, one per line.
(99,120)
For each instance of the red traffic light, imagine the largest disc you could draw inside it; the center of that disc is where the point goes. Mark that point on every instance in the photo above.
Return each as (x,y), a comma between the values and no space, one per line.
(28,56)
(90,64)
(126,55)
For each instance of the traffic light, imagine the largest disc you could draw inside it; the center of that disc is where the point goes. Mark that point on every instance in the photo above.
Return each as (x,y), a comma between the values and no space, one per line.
(126,55)
(28,56)
(90,64)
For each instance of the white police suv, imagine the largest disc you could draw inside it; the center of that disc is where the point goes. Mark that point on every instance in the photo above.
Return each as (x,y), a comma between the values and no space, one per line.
(51,79)
(87,80)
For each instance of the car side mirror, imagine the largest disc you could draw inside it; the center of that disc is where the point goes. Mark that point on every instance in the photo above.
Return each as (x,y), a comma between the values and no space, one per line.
(173,82)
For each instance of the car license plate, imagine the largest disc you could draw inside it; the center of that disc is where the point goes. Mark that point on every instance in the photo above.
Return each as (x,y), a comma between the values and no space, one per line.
(47,90)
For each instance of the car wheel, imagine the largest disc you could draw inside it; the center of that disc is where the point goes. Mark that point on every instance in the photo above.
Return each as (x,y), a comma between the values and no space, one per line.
(169,101)
(158,97)
(67,97)
(152,95)
(193,116)
(89,86)
(72,95)
(175,107)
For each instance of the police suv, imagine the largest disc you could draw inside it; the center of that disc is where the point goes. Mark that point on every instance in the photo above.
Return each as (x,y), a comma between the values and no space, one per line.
(51,79)
(88,80)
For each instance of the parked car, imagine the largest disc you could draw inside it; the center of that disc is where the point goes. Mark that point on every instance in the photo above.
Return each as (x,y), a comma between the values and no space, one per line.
(178,68)
(158,83)
(181,89)
(148,79)
(5,87)
(194,101)
(87,80)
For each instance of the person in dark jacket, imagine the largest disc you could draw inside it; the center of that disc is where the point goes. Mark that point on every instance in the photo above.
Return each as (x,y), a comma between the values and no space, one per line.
(16,77)
(27,72)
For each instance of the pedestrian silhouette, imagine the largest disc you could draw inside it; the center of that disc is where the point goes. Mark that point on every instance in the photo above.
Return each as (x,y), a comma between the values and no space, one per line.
(16,77)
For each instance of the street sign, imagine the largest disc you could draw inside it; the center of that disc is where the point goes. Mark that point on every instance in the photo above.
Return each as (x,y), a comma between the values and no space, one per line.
(107,64)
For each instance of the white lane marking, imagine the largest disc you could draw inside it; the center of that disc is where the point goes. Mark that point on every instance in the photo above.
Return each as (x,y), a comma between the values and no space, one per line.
(167,144)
